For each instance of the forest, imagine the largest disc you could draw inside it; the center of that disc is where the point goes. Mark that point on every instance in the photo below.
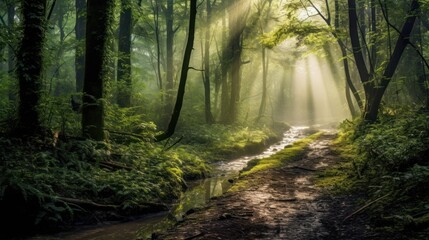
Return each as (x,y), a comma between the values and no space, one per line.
(214,119)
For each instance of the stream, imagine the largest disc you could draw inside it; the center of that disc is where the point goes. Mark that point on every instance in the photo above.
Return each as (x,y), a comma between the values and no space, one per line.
(196,197)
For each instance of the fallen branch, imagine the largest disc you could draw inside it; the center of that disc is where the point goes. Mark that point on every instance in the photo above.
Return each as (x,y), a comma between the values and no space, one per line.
(88,203)
(364,207)
(127,134)
(114,165)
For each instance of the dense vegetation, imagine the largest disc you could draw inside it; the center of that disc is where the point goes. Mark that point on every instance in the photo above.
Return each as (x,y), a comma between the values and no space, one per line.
(387,164)
(109,107)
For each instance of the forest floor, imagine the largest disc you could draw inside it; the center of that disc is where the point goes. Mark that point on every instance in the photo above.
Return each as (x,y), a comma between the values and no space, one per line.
(281,203)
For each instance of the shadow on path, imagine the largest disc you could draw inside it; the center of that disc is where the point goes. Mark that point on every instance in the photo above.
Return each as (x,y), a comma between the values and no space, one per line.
(281,203)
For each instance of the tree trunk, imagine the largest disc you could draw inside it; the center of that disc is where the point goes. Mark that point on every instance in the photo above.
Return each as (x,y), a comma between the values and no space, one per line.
(29,66)
(124,52)
(183,75)
(236,27)
(80,29)
(207,97)
(226,56)
(155,9)
(10,52)
(373,47)
(99,17)
(349,83)
(170,58)
(264,84)
(374,91)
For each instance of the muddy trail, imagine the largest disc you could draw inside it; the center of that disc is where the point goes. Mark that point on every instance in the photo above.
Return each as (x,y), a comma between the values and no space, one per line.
(281,203)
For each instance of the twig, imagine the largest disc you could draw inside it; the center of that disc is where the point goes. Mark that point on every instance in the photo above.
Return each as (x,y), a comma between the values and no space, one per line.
(364,207)
(199,70)
(174,144)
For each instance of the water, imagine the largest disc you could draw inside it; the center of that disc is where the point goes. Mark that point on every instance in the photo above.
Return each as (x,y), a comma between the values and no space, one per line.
(234,166)
(196,197)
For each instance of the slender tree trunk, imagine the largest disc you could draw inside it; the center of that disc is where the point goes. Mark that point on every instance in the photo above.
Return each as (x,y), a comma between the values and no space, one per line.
(80,29)
(373,47)
(226,56)
(170,58)
(236,28)
(29,66)
(183,75)
(264,84)
(158,44)
(349,100)
(60,51)
(99,17)
(207,95)
(349,83)
(374,91)
(10,52)
(124,51)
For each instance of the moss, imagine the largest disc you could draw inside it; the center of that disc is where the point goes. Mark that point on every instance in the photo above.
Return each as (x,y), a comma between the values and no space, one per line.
(240,185)
(289,153)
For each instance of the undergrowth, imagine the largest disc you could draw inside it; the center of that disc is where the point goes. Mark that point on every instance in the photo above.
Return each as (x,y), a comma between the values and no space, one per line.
(65,180)
(222,142)
(388,162)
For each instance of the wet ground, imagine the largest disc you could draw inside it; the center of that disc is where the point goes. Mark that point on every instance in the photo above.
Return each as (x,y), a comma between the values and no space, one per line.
(281,203)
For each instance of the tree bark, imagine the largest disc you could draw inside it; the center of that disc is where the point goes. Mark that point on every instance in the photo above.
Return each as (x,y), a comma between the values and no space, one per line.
(80,29)
(124,51)
(207,93)
(10,52)
(374,91)
(236,27)
(264,84)
(170,58)
(29,66)
(183,75)
(225,96)
(99,17)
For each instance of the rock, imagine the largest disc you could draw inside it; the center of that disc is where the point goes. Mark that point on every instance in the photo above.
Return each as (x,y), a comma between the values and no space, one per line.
(225,216)
(190,211)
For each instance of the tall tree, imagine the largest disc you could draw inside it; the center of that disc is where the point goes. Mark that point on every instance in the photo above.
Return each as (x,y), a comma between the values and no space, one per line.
(183,75)
(29,66)
(80,30)
(124,51)
(99,18)
(207,96)
(237,24)
(264,59)
(11,52)
(224,62)
(169,20)
(374,87)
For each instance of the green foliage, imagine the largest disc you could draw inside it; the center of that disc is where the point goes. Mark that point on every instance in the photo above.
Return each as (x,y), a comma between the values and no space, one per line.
(306,33)
(219,142)
(390,156)
(128,177)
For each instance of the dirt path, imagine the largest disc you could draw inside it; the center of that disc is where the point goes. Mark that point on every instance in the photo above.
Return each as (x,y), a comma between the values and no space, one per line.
(279,204)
